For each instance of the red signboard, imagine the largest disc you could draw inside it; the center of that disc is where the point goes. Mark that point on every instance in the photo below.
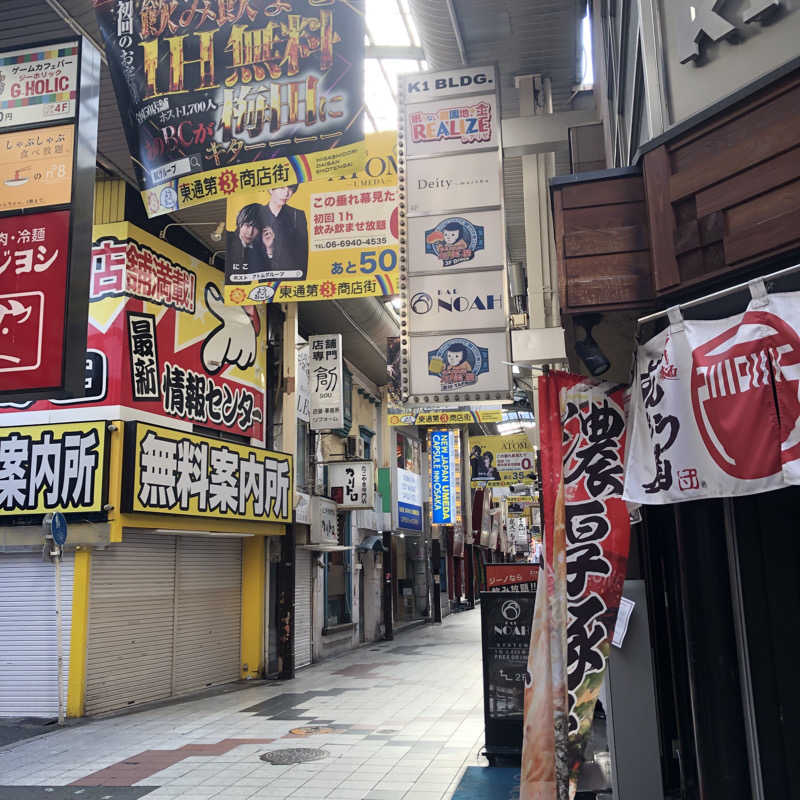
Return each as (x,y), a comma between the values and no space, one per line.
(499,575)
(34,261)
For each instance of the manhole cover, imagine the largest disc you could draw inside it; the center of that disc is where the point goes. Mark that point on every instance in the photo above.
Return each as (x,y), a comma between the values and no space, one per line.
(294,755)
(311,730)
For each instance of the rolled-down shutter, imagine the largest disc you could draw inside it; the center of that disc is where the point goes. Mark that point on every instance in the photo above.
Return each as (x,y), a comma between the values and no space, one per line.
(131,610)
(209,611)
(302,608)
(28,634)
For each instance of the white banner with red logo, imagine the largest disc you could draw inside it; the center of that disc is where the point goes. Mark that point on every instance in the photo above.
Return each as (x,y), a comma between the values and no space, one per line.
(715,410)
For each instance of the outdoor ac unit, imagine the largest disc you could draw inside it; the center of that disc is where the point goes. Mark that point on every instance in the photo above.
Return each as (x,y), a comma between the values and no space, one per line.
(354,447)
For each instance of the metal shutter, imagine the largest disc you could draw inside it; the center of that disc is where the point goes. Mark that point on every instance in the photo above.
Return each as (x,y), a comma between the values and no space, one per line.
(302,608)
(28,651)
(132,588)
(209,611)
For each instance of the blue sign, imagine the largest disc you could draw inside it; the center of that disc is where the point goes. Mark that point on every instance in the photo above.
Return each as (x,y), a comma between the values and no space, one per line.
(443,478)
(58,528)
(409,517)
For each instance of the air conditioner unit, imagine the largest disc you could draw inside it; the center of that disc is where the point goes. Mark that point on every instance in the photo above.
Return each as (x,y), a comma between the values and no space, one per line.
(354,447)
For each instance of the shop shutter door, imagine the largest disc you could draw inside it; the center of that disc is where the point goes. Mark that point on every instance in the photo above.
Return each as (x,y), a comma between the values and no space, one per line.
(28,637)
(209,610)
(132,587)
(302,608)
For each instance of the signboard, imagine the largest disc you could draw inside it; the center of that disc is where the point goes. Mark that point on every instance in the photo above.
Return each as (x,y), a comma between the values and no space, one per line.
(38,84)
(703,383)
(501,460)
(173,472)
(218,98)
(352,484)
(445,492)
(412,416)
(327,399)
(48,137)
(511,577)
(505,633)
(324,241)
(451,168)
(304,382)
(46,468)
(324,521)
(409,500)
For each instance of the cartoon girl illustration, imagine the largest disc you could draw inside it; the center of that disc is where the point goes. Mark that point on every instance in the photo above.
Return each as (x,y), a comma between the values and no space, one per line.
(457,367)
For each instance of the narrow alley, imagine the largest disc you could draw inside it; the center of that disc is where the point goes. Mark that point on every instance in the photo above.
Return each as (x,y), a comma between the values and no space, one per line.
(398,719)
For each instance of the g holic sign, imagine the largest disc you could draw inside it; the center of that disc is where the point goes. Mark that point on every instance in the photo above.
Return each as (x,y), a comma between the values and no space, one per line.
(444,447)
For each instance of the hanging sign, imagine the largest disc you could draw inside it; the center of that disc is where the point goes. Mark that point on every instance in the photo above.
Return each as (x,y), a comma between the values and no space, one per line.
(327,398)
(445,481)
(304,382)
(352,484)
(455,342)
(324,521)
(173,472)
(45,468)
(715,409)
(320,241)
(501,460)
(409,500)
(588,536)
(222,97)
(412,416)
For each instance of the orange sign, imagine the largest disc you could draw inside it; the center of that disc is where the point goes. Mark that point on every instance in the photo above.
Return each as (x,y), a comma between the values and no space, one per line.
(36,167)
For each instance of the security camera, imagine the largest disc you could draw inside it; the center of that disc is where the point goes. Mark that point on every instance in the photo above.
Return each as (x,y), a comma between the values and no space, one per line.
(520,488)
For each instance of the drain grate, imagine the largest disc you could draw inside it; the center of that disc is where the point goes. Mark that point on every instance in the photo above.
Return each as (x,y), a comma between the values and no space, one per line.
(294,755)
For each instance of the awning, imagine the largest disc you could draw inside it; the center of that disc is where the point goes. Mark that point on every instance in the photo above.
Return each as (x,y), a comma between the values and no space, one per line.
(374,542)
(325,548)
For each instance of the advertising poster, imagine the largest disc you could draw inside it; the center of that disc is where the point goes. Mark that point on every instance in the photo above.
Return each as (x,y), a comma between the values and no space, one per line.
(174,472)
(217,98)
(38,85)
(174,350)
(501,460)
(445,482)
(53,468)
(583,443)
(320,241)
(445,417)
(326,378)
(699,385)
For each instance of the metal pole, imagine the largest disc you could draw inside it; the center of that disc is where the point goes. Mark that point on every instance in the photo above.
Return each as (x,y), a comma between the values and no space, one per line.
(57,553)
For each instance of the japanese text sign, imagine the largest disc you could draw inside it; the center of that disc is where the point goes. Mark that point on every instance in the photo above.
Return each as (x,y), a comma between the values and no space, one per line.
(324,521)
(505,576)
(501,460)
(452,417)
(445,481)
(715,410)
(352,484)
(325,241)
(34,273)
(409,499)
(327,404)
(46,468)
(171,472)
(228,96)
(38,84)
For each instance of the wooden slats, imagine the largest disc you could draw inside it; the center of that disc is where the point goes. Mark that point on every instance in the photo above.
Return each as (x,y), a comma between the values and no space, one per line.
(607,240)
(661,219)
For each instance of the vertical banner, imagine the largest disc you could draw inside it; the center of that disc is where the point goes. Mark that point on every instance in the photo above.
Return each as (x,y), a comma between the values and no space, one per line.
(304,382)
(445,454)
(583,422)
(222,97)
(327,400)
(455,343)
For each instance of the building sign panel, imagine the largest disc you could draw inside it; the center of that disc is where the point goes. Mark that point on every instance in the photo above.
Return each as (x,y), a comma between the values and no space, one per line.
(304,382)
(445,476)
(38,84)
(449,83)
(352,484)
(235,96)
(511,577)
(409,500)
(501,460)
(324,241)
(173,472)
(324,521)
(327,399)
(412,416)
(46,468)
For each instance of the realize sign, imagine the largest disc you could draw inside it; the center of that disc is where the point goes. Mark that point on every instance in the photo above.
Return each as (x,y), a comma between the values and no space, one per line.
(172,472)
(220,97)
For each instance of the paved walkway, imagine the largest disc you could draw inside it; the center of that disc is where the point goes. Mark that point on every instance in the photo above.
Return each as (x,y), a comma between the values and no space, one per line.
(395,720)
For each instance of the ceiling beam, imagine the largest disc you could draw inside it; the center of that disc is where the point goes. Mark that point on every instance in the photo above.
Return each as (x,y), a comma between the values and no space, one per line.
(462,51)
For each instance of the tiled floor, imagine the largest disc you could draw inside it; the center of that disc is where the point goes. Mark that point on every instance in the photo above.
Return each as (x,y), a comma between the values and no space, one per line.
(396,720)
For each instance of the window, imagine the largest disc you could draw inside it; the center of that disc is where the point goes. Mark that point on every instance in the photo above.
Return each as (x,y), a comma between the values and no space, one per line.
(367,435)
(339,579)
(347,396)
(302,469)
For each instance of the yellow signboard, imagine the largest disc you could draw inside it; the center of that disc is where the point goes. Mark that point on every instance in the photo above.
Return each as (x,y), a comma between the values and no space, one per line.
(172,472)
(324,240)
(501,460)
(412,417)
(36,167)
(46,468)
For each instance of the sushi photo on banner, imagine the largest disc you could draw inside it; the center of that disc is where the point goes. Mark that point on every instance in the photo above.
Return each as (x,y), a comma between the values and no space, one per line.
(217,98)
(586,553)
(324,240)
